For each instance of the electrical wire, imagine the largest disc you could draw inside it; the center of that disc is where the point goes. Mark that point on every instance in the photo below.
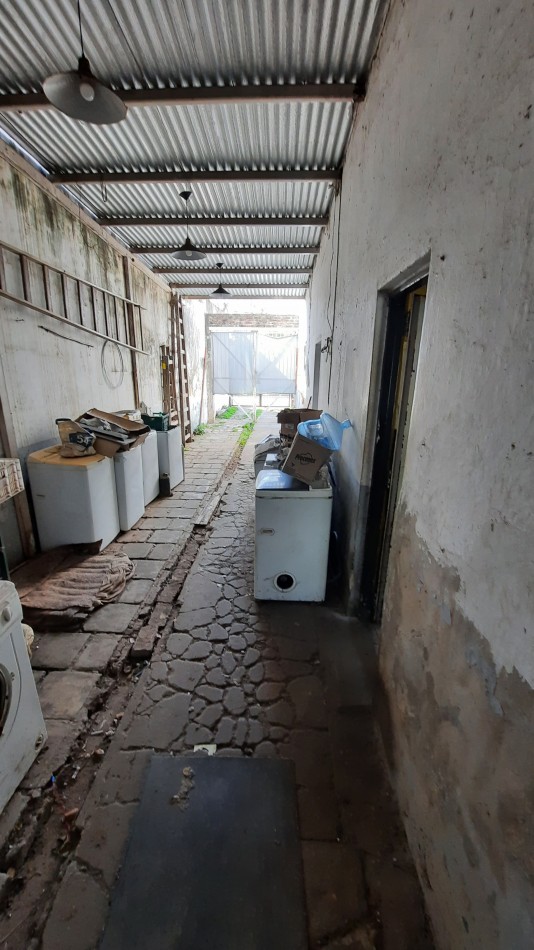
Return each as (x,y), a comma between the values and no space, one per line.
(103,365)
(333,327)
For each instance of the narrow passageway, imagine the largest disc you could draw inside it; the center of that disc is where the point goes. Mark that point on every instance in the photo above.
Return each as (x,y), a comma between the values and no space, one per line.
(259,679)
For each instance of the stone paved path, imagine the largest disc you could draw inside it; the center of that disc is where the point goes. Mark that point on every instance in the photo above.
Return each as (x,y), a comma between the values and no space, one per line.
(259,679)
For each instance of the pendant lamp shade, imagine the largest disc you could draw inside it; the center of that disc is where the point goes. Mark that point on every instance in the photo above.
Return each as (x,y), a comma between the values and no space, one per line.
(81,96)
(188,251)
(220,290)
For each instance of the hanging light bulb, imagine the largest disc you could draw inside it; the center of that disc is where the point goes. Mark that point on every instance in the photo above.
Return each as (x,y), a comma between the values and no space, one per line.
(81,95)
(188,251)
(220,291)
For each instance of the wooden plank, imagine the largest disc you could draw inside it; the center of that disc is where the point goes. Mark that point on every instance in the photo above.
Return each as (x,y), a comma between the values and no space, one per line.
(9,442)
(131,326)
(311,174)
(212,221)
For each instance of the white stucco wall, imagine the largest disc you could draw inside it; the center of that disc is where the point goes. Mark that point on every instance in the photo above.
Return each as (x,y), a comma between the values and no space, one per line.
(440,167)
(50,375)
(441,160)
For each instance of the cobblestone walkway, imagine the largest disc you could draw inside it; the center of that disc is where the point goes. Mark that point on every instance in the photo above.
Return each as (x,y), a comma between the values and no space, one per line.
(259,679)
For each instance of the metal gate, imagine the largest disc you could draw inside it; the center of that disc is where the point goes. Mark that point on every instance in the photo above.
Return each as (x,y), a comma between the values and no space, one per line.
(252,362)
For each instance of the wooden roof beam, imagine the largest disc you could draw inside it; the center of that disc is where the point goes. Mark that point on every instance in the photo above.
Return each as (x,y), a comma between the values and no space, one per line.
(208,287)
(218,251)
(205,95)
(213,221)
(210,269)
(138,177)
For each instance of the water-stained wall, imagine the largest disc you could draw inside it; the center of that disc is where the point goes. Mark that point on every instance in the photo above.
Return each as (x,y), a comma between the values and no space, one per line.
(53,368)
(438,174)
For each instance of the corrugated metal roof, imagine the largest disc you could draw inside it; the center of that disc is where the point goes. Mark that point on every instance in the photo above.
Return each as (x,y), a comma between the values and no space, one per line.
(231,198)
(252,292)
(226,235)
(134,44)
(210,281)
(253,135)
(256,259)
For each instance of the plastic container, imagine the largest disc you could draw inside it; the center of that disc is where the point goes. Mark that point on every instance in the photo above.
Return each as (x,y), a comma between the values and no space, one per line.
(158,421)
(326,430)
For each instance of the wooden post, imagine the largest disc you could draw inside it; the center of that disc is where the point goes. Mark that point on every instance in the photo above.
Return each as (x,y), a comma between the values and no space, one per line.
(131,327)
(7,435)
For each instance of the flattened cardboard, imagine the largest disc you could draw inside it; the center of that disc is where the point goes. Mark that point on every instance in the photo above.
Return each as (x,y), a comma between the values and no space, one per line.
(305,459)
(290,418)
(138,430)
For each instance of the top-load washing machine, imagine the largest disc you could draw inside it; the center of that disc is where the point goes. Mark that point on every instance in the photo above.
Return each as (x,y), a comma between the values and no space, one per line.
(22,728)
(292,537)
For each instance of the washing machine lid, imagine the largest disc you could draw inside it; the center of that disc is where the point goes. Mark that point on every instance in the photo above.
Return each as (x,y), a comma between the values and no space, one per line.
(272,479)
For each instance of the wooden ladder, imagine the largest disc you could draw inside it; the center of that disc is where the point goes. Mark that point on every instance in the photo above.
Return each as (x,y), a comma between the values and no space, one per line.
(27,280)
(179,356)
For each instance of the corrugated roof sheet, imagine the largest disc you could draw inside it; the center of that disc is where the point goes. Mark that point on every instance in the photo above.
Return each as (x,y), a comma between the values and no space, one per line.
(230,198)
(195,43)
(253,135)
(189,42)
(256,259)
(225,234)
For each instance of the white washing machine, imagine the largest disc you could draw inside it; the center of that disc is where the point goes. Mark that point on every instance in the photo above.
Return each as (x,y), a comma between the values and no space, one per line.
(292,537)
(149,456)
(130,488)
(171,455)
(22,728)
(75,500)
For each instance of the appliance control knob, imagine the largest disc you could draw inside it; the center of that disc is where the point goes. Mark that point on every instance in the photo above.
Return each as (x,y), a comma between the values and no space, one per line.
(6,614)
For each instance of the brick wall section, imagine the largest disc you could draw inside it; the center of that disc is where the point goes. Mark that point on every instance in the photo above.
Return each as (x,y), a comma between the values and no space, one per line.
(254,320)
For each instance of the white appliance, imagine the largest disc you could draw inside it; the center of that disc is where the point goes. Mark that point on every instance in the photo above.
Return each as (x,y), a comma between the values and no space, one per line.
(75,500)
(149,457)
(22,728)
(292,537)
(129,484)
(171,455)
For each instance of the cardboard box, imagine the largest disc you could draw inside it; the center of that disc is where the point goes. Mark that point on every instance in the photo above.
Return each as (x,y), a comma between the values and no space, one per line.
(138,432)
(305,459)
(290,418)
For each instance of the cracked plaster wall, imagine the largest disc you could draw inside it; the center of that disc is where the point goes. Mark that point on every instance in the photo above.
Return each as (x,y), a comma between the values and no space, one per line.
(440,163)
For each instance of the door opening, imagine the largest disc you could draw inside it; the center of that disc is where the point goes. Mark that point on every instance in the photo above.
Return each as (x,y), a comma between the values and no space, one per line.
(396,386)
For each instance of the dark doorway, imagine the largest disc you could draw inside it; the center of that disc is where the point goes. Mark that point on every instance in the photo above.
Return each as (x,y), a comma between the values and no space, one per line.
(396,384)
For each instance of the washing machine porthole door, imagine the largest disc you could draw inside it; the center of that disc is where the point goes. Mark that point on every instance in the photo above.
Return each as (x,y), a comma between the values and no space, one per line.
(5,696)
(284,582)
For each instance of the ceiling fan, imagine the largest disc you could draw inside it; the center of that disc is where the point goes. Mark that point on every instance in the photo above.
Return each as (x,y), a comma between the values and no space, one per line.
(81,95)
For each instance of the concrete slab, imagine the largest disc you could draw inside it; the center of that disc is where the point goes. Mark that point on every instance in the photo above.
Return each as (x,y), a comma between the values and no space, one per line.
(136,591)
(67,694)
(136,549)
(160,552)
(78,913)
(97,652)
(146,569)
(57,651)
(113,618)
(61,737)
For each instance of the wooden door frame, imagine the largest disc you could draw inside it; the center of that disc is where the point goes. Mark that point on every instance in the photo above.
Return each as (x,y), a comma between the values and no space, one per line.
(409,278)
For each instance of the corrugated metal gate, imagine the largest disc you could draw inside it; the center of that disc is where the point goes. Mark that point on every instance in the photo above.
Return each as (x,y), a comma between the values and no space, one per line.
(253,361)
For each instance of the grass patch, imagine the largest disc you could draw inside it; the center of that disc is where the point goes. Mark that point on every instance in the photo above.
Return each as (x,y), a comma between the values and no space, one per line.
(228,412)
(200,429)
(245,433)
